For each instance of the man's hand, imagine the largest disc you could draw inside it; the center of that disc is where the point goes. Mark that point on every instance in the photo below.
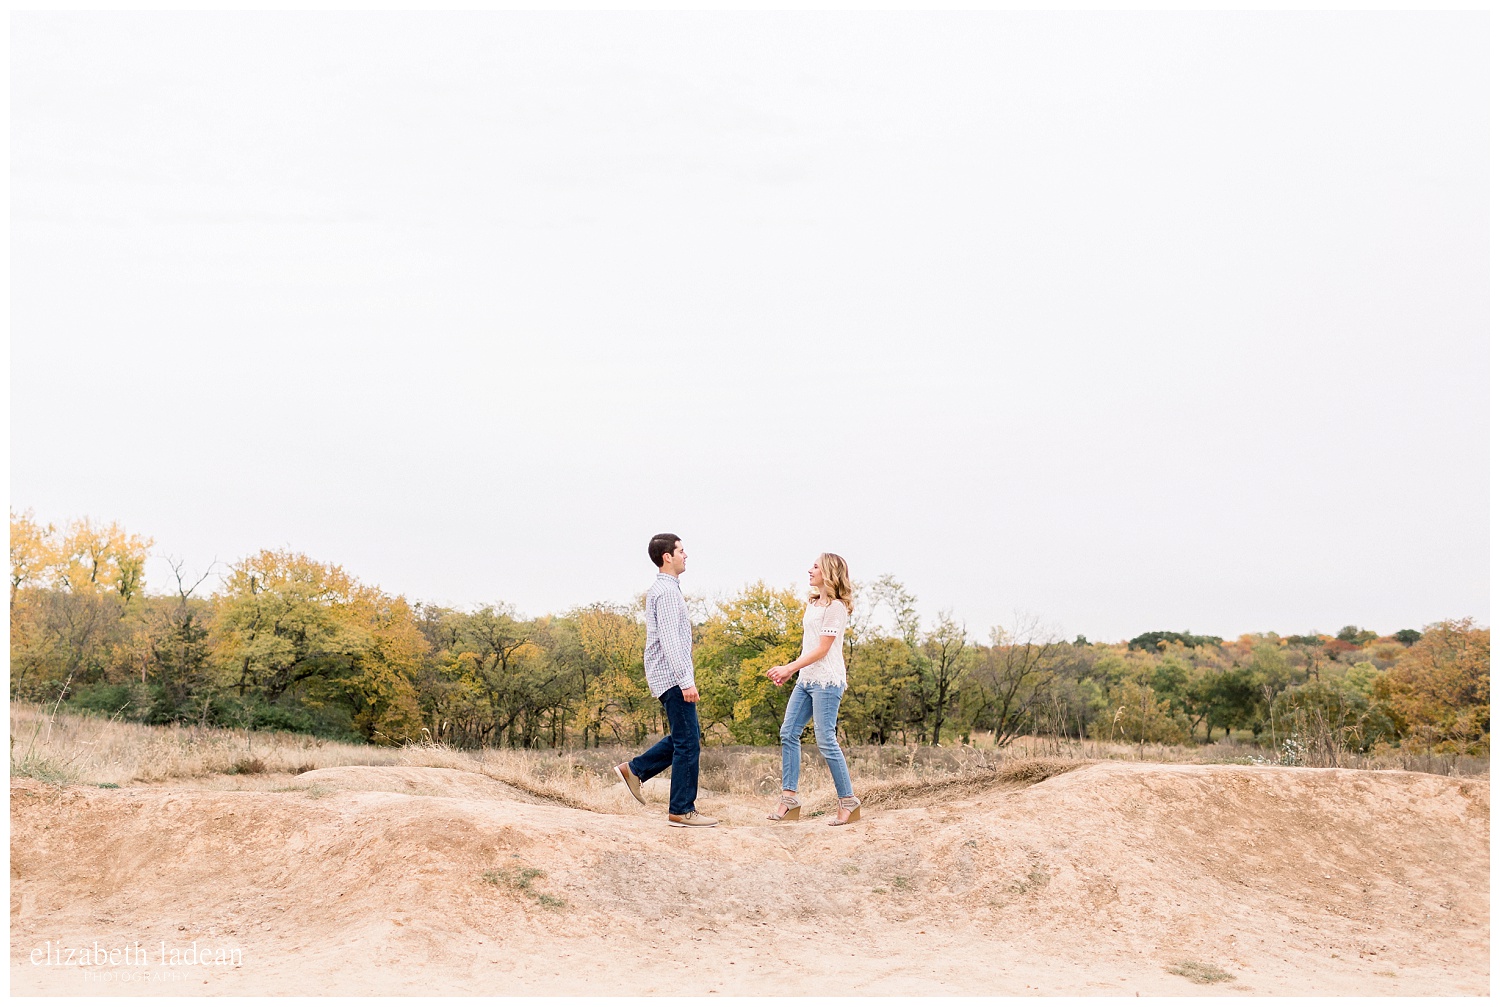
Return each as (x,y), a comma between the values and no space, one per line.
(690,694)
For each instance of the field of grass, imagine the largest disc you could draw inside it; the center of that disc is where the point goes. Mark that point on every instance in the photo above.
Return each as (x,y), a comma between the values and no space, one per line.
(67,747)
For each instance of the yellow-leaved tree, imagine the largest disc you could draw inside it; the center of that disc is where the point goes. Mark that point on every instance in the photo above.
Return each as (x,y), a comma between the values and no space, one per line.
(1438,692)
(101,558)
(70,595)
(33,553)
(290,628)
(616,704)
(755,630)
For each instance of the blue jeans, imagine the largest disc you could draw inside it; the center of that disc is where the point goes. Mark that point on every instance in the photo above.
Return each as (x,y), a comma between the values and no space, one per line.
(821,704)
(678,749)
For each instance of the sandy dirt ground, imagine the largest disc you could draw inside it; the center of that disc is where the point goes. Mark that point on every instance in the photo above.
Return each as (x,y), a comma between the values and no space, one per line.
(1103,879)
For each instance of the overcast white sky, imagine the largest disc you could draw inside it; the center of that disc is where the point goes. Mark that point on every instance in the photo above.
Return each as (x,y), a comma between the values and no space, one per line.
(1130,321)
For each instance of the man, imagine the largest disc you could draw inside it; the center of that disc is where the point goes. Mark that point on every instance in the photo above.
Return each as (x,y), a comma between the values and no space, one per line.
(669,674)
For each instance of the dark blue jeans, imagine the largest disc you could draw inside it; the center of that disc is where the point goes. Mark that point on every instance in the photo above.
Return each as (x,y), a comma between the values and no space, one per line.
(678,750)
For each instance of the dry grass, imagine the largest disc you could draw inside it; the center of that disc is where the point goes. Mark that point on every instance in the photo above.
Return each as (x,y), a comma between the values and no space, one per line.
(1240,752)
(1021,772)
(1200,973)
(74,748)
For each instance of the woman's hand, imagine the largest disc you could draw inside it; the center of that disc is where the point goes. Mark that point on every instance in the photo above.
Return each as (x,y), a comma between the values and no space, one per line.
(779,674)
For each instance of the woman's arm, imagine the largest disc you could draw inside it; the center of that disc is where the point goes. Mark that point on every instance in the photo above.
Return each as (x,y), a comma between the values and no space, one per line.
(782,672)
(825,644)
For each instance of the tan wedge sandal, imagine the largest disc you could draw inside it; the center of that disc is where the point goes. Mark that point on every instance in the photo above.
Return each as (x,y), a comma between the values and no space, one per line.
(852,805)
(792,813)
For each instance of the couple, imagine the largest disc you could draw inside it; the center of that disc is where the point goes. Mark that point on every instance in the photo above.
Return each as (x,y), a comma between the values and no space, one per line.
(669,674)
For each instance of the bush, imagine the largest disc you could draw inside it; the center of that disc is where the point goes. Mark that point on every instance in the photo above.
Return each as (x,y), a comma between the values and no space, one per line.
(130,699)
(1135,714)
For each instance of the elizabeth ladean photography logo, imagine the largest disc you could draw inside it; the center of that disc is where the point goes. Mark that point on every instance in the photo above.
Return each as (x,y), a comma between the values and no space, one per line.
(57,954)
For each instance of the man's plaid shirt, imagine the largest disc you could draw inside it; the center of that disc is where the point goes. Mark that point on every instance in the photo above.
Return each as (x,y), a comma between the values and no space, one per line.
(669,637)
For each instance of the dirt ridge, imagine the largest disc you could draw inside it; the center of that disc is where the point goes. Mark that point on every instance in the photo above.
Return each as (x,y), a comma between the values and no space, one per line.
(1056,877)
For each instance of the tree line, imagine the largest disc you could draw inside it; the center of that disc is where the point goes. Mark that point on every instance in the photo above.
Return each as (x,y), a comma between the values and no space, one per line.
(288,642)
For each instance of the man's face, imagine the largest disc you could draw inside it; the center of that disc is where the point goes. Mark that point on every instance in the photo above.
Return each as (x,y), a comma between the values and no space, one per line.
(676,560)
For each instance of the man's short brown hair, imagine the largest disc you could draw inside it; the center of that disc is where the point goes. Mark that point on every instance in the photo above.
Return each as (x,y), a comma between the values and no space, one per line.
(660,546)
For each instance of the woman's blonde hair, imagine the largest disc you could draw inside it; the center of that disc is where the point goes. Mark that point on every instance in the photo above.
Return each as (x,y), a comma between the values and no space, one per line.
(836,580)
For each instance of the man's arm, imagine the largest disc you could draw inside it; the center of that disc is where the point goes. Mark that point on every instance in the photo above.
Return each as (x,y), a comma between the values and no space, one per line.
(674,628)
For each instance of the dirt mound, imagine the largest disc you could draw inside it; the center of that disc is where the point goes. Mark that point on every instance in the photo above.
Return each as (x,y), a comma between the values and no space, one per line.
(1011,776)
(418,781)
(1107,878)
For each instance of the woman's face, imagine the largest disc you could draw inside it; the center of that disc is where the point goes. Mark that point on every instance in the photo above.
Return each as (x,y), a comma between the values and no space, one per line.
(815,575)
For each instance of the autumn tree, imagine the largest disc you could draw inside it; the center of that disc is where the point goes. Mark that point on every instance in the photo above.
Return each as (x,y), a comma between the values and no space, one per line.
(95,557)
(745,636)
(70,595)
(181,658)
(287,623)
(616,701)
(1334,714)
(881,674)
(1010,678)
(1138,715)
(949,660)
(1438,693)
(33,554)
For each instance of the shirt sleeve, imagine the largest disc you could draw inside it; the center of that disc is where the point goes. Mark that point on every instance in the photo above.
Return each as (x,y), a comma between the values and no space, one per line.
(835,618)
(675,630)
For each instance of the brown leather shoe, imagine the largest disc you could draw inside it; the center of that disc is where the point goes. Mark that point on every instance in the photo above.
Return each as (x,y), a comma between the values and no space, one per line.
(631,781)
(692,820)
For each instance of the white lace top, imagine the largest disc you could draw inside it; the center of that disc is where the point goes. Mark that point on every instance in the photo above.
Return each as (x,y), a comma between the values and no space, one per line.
(817,622)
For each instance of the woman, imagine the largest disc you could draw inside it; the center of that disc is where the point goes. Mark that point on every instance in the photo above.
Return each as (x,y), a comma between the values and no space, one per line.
(820,687)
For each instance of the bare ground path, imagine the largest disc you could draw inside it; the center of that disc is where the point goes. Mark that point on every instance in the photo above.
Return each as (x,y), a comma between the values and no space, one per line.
(1098,880)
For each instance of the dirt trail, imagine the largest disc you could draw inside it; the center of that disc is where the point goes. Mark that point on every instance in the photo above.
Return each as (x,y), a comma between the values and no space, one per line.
(1099,880)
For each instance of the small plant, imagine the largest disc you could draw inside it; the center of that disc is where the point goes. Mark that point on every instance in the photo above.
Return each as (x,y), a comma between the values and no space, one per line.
(107,786)
(901,883)
(42,770)
(520,880)
(1293,753)
(247,766)
(849,869)
(1200,973)
(1036,878)
(32,763)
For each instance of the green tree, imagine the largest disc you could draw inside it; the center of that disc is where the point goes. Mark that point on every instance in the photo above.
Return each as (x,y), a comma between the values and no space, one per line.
(616,701)
(881,673)
(291,632)
(1010,679)
(748,634)
(1140,716)
(949,660)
